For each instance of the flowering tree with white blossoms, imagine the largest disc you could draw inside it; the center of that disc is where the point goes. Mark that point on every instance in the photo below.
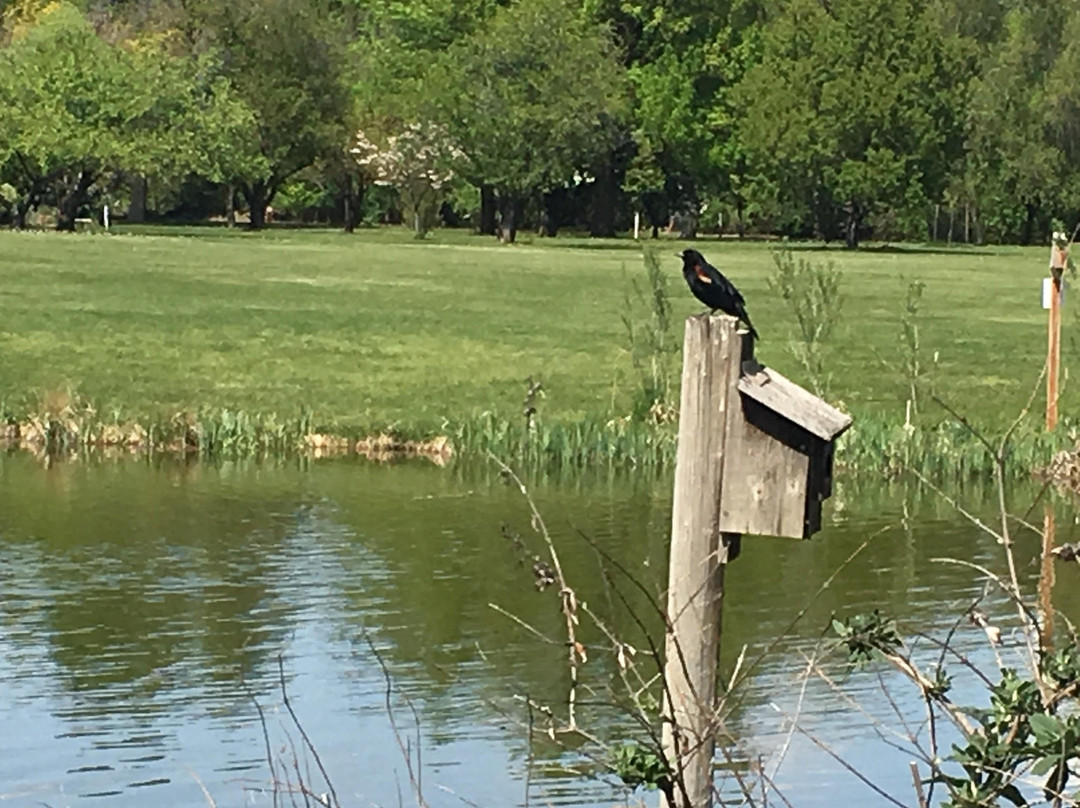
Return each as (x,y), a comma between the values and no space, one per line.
(419,162)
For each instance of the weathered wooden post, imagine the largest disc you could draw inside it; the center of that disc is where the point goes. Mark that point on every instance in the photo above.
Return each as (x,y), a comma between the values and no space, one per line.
(1052,294)
(712,351)
(1052,288)
(754,456)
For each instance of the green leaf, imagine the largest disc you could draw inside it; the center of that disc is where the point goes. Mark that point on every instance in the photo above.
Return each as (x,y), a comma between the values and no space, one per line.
(1013,795)
(1043,765)
(1047,728)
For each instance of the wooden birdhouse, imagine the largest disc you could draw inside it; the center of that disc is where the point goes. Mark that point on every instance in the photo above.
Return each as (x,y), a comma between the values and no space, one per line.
(755,449)
(778,456)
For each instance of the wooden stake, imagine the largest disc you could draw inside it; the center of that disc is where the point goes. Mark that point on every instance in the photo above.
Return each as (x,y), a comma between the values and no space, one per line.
(1058,261)
(712,353)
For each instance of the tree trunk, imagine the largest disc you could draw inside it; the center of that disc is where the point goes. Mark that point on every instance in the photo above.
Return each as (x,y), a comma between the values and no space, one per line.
(851,228)
(487,210)
(350,205)
(258,200)
(549,220)
(604,191)
(688,225)
(511,215)
(1028,230)
(137,209)
(67,208)
(22,210)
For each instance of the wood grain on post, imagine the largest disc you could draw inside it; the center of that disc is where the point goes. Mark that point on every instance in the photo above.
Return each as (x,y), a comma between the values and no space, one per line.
(712,350)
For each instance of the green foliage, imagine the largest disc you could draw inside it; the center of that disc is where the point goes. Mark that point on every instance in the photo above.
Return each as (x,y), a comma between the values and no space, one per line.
(812,294)
(72,122)
(1016,162)
(531,96)
(286,61)
(866,637)
(639,765)
(843,119)
(301,193)
(1018,733)
(940,685)
(1062,667)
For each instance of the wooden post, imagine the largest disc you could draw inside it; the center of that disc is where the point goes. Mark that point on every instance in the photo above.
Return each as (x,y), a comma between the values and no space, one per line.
(1058,260)
(712,353)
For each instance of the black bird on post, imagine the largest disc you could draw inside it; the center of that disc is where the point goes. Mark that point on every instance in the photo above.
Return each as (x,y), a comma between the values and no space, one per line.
(713,289)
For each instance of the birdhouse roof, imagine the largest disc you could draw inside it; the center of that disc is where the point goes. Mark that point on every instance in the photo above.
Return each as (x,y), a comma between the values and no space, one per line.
(784,397)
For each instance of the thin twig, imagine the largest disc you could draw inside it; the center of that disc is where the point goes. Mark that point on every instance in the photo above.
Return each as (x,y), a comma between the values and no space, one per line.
(266,738)
(303,734)
(798,711)
(529,758)
(831,753)
(454,794)
(414,779)
(567,597)
(206,794)
(535,632)
(917,782)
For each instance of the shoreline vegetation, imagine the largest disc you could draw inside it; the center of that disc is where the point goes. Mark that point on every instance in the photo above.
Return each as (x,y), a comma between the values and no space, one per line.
(944,452)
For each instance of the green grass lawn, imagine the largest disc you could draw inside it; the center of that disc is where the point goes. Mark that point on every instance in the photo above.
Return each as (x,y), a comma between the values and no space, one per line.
(378,329)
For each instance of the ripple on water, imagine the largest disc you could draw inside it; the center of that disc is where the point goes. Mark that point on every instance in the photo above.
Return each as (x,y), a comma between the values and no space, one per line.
(143,609)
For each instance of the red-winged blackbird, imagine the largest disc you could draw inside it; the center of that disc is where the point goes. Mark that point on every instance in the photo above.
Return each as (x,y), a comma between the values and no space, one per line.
(713,289)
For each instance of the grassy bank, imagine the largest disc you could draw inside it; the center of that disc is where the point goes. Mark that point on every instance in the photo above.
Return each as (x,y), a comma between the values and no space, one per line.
(376,330)
(945,451)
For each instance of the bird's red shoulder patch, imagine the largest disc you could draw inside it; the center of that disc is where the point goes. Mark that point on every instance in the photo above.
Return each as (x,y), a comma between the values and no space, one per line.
(701,275)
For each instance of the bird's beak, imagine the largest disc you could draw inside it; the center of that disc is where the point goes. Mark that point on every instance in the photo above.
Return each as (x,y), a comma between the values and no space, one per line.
(678,255)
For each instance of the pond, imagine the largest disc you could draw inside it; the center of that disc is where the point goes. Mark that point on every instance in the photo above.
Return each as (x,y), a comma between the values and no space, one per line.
(150,609)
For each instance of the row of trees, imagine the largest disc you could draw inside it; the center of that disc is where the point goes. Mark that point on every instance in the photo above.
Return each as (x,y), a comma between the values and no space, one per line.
(824,118)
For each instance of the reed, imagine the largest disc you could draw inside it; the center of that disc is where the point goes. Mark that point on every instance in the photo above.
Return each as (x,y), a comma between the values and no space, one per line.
(875,445)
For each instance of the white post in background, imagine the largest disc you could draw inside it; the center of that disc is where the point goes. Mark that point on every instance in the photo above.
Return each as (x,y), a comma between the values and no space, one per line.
(637,225)
(105,216)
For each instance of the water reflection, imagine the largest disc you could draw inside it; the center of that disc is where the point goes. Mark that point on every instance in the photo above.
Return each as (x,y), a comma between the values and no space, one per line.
(136,598)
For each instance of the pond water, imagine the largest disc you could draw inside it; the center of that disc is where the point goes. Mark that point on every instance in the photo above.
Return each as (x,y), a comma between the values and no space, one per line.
(144,608)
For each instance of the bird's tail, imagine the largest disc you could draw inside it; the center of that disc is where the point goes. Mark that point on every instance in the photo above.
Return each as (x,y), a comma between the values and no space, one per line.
(750,325)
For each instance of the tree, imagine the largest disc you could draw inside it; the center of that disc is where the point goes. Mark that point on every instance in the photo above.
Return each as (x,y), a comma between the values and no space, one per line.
(683,57)
(844,118)
(395,47)
(77,109)
(287,61)
(1017,128)
(418,162)
(530,98)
